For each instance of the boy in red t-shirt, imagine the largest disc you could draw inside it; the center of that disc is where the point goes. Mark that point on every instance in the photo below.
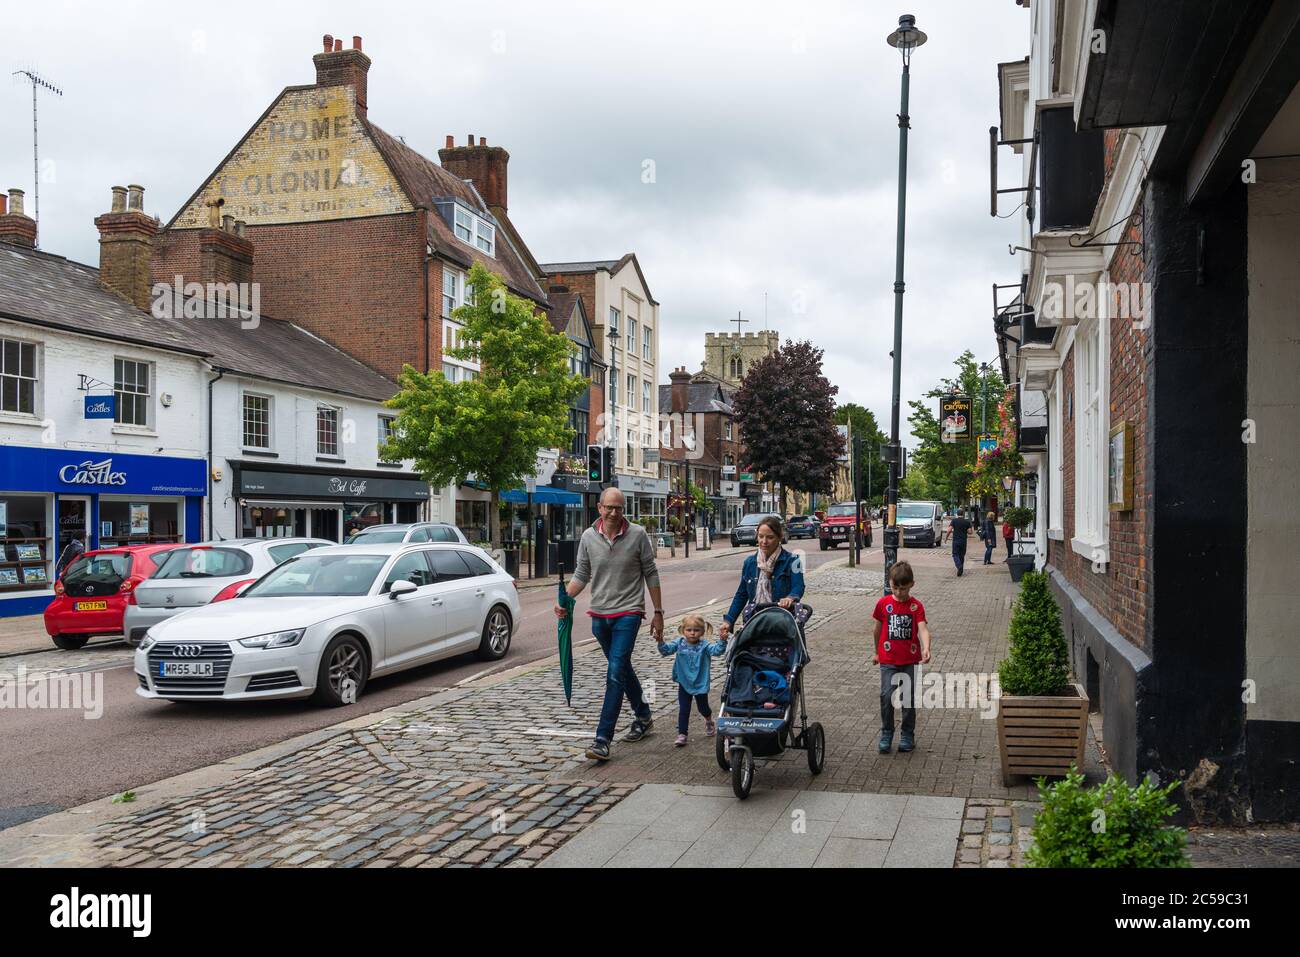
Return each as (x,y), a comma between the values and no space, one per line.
(902,640)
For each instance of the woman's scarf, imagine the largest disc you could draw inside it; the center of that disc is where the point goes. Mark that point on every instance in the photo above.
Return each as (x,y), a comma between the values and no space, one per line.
(766,566)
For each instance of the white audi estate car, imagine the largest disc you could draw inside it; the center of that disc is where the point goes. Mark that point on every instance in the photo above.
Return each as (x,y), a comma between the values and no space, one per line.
(323,623)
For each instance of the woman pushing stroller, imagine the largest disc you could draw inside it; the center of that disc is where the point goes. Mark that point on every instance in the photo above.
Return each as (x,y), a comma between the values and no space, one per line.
(771,575)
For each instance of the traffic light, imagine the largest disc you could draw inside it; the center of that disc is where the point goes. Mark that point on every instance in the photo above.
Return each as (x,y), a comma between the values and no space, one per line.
(610,453)
(596,464)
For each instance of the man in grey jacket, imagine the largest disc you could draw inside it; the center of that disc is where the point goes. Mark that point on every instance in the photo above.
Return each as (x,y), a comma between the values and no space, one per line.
(618,560)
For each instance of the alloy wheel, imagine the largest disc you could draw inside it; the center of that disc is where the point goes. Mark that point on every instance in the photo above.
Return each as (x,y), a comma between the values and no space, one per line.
(345,665)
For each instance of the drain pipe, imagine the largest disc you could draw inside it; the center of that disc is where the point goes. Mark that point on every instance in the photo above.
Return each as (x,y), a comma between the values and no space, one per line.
(211,382)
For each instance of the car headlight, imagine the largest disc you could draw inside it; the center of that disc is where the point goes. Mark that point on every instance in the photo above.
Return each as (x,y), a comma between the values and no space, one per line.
(148,640)
(276,639)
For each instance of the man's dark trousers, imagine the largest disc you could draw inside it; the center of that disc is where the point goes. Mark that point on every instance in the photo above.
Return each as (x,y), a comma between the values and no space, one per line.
(616,637)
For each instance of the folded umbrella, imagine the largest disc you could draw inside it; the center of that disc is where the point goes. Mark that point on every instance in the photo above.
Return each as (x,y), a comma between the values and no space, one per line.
(564,636)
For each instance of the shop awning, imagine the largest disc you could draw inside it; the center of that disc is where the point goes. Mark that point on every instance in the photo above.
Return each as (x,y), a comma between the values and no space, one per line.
(545,495)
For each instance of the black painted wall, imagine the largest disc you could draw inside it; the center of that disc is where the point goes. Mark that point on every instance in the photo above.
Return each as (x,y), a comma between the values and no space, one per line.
(1192,722)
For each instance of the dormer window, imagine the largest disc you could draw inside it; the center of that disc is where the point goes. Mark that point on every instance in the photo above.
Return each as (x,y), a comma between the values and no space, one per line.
(474,231)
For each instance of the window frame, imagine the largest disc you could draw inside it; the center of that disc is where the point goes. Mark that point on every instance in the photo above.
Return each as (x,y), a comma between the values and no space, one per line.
(630,348)
(321,407)
(270,420)
(385,435)
(457,297)
(137,397)
(34,379)
(647,337)
(645,396)
(1091,440)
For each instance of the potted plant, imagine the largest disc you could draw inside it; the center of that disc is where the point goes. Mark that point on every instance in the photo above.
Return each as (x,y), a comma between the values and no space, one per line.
(1110,825)
(1019,518)
(1042,714)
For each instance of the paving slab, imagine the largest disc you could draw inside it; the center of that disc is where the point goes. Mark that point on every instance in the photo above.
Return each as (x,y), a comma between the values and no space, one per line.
(852,852)
(594,846)
(783,847)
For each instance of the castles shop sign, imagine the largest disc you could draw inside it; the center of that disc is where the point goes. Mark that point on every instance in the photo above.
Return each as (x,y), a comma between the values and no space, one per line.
(326,485)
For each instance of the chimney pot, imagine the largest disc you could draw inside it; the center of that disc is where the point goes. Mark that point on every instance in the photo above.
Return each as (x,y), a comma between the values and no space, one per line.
(329,43)
(4,205)
(135,197)
(338,46)
(356,43)
(239,228)
(119,200)
(227,223)
(451,141)
(16,202)
(482,141)
(471,139)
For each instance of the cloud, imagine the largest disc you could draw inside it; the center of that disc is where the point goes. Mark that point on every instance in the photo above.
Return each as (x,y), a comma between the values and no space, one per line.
(772,130)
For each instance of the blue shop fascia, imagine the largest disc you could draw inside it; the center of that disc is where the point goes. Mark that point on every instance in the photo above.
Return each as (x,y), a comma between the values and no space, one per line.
(50,496)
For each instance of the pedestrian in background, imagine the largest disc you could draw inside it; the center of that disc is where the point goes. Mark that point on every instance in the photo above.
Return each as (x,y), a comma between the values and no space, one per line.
(1008,536)
(960,536)
(989,532)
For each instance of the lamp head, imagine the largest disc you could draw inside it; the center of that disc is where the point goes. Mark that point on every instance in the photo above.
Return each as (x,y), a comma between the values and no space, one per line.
(907,37)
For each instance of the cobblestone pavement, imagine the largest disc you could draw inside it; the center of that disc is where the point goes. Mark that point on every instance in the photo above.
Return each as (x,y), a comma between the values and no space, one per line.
(996,833)
(44,664)
(493,773)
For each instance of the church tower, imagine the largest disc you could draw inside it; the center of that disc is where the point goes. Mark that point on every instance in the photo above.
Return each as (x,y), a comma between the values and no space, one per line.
(728,356)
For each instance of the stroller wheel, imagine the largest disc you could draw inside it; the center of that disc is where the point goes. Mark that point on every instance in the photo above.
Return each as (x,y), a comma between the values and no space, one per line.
(724,761)
(742,771)
(815,740)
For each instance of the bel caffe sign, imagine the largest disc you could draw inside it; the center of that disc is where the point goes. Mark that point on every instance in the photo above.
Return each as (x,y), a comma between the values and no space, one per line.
(956,424)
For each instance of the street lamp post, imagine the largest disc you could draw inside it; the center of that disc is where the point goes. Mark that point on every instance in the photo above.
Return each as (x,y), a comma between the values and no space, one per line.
(905,39)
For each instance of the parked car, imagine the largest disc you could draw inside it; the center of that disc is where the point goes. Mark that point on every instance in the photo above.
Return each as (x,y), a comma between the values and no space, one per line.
(93,593)
(838,525)
(921,523)
(745,532)
(407,533)
(192,575)
(326,622)
(801,526)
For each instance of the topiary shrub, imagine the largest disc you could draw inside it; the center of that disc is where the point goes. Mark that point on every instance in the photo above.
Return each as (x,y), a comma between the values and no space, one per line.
(1110,825)
(1019,517)
(1038,659)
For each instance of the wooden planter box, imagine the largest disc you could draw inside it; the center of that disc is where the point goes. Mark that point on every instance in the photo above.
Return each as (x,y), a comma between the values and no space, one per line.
(1042,736)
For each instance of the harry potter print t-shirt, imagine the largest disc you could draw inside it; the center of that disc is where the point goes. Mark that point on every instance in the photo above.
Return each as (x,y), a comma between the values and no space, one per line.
(899,643)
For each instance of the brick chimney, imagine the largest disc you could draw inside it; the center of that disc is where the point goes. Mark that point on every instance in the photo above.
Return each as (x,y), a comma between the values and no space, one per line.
(16,228)
(336,66)
(126,235)
(681,390)
(225,253)
(483,165)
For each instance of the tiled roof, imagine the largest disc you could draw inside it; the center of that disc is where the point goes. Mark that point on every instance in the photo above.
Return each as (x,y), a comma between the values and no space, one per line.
(703,397)
(561,310)
(606,264)
(424,181)
(48,290)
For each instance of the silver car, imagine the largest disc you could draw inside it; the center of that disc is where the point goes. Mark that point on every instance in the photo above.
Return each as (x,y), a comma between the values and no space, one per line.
(407,533)
(193,575)
(324,623)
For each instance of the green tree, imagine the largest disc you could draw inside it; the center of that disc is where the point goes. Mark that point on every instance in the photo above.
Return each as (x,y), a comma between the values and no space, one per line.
(492,427)
(947,467)
(873,474)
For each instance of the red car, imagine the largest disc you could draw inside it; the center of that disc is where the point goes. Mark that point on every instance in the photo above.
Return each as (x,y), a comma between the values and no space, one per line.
(92,593)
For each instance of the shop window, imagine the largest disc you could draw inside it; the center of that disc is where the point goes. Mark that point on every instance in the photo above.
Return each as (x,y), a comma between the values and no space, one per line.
(17,377)
(327,430)
(257,421)
(472,519)
(359,515)
(131,382)
(24,543)
(137,523)
(276,521)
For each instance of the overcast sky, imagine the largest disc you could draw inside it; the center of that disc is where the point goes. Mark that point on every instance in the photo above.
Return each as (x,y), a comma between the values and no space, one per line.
(771,128)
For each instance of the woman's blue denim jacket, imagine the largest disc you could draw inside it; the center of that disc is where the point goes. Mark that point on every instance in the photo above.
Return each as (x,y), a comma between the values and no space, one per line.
(787,581)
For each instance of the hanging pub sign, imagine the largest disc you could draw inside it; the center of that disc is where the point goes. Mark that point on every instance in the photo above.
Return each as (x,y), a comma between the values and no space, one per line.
(956,423)
(987,443)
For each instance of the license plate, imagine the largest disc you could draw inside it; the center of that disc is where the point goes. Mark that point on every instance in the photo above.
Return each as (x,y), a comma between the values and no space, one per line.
(185,669)
(91,606)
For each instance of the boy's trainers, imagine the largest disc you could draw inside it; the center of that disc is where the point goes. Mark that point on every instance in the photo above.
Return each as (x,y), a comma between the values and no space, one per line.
(886,741)
(681,741)
(710,727)
(598,750)
(906,741)
(639,729)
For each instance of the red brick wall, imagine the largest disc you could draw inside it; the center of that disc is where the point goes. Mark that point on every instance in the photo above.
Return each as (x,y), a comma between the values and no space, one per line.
(356,283)
(1121,592)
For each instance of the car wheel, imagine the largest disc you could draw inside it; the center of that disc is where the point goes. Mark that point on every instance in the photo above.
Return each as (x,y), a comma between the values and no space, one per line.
(496,635)
(71,642)
(342,674)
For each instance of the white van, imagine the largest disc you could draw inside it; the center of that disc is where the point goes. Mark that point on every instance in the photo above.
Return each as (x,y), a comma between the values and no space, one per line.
(921,523)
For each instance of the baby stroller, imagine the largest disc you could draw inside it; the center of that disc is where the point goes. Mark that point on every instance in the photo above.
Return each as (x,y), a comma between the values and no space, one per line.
(763,694)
